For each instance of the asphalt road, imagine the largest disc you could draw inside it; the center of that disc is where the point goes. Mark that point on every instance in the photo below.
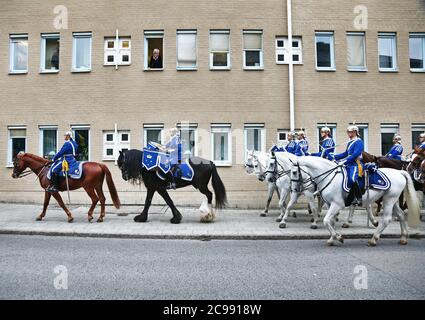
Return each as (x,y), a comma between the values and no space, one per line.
(92,268)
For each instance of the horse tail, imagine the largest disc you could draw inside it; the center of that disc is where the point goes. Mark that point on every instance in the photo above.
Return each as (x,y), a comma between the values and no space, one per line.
(412,201)
(219,189)
(111,186)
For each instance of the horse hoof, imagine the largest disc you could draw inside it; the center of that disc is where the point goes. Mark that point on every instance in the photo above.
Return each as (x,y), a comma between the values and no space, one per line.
(175,220)
(90,218)
(375,224)
(336,219)
(371,243)
(312,220)
(313,226)
(39,218)
(140,218)
(99,220)
(340,239)
(294,215)
(403,242)
(330,243)
(263,215)
(350,221)
(278,219)
(345,225)
(70,220)
(282,225)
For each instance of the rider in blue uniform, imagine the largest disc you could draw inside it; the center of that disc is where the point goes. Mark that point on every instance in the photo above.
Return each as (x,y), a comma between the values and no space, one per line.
(175,147)
(351,158)
(292,144)
(328,144)
(397,150)
(302,145)
(422,141)
(68,153)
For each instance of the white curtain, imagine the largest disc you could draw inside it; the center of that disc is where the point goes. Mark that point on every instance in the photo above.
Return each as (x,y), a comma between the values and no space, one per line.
(219,42)
(20,55)
(355,51)
(252,41)
(186,49)
(82,50)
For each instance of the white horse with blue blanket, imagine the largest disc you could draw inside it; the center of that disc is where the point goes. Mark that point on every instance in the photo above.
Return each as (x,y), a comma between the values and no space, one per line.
(328,178)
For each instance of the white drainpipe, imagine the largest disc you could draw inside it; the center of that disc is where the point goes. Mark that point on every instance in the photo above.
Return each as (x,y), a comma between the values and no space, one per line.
(291,68)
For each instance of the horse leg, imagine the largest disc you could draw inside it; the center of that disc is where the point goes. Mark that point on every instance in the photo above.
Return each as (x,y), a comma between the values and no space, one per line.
(209,216)
(350,218)
(94,199)
(292,201)
(403,226)
(59,200)
(270,191)
(329,221)
(47,196)
(313,208)
(282,204)
(143,217)
(177,217)
(102,200)
(384,221)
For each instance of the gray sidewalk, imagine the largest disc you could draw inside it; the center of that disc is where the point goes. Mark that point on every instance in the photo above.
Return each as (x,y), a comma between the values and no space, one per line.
(229,224)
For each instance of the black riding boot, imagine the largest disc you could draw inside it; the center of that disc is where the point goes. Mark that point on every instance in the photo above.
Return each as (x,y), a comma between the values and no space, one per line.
(172,183)
(357,195)
(54,180)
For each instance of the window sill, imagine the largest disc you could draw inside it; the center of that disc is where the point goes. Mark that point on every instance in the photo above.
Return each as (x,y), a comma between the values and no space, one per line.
(218,164)
(357,70)
(80,71)
(9,166)
(154,69)
(220,69)
(119,65)
(48,71)
(18,72)
(187,69)
(108,160)
(388,70)
(253,69)
(417,70)
(326,69)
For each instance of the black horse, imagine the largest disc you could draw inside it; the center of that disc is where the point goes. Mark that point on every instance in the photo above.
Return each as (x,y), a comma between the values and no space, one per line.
(130,164)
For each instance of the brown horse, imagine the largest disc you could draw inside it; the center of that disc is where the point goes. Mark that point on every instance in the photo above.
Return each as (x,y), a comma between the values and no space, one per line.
(92,181)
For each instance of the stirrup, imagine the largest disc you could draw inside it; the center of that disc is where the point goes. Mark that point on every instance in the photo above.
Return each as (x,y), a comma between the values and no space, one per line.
(171,185)
(52,189)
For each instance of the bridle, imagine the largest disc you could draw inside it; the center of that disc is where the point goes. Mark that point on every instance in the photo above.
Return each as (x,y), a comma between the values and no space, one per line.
(28,171)
(276,172)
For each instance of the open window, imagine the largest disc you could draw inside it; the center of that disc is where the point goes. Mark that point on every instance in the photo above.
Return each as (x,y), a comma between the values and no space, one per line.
(154,45)
(49,53)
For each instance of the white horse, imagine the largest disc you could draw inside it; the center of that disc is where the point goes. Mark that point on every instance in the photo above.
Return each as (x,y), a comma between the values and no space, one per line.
(257,162)
(328,178)
(279,171)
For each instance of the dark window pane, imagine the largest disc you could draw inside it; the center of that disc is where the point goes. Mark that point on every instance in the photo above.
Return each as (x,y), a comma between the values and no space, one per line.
(153,135)
(220,59)
(282,136)
(386,142)
(280,43)
(125,58)
(295,44)
(82,139)
(110,58)
(18,145)
(280,57)
(323,51)
(252,58)
(295,57)
(52,54)
(109,137)
(109,152)
(415,138)
(124,137)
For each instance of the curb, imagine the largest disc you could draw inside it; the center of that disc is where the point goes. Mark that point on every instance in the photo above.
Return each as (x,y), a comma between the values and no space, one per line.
(416,236)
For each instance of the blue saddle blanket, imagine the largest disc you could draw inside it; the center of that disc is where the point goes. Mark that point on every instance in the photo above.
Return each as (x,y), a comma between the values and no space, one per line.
(75,171)
(153,159)
(377,179)
(182,171)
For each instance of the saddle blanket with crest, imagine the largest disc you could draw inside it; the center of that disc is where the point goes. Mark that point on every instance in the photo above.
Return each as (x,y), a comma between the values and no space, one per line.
(75,170)
(153,159)
(377,179)
(182,171)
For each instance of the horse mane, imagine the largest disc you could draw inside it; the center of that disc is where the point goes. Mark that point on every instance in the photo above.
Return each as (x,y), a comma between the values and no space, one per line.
(35,157)
(133,165)
(329,164)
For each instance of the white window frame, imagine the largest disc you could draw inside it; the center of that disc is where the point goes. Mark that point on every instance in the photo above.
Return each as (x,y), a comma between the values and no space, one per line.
(9,143)
(14,38)
(365,138)
(116,144)
(420,35)
(41,140)
(153,34)
(191,127)
(118,51)
(392,128)
(332,48)
(45,36)
(416,127)
(332,126)
(153,126)
(211,53)
(261,66)
(222,128)
(363,35)
(83,127)
(279,141)
(192,32)
(393,36)
(285,50)
(250,126)
(75,37)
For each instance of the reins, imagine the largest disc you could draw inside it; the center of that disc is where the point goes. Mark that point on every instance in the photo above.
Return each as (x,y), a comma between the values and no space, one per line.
(28,172)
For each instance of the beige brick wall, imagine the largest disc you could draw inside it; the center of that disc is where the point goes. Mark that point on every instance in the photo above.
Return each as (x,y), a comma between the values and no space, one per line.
(131,96)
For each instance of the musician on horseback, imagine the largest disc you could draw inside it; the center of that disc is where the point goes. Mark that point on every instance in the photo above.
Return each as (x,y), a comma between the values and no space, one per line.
(328,144)
(292,144)
(351,159)
(397,149)
(67,153)
(302,145)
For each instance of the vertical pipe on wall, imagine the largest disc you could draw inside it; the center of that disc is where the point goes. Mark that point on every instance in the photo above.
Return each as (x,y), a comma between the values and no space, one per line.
(117,44)
(291,67)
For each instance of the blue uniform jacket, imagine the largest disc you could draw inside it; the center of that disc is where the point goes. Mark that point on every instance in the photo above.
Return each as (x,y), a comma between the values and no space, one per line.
(68,152)
(327,147)
(422,146)
(290,147)
(395,152)
(176,145)
(353,152)
(277,149)
(302,148)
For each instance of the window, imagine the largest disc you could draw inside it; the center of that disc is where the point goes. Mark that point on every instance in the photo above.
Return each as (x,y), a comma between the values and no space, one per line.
(113,142)
(188,136)
(325,59)
(387,51)
(331,126)
(81,54)
(255,137)
(356,51)
(282,136)
(417,51)
(282,50)
(48,142)
(364,133)
(82,138)
(221,142)
(219,49)
(387,134)
(117,52)
(18,53)
(253,49)
(153,132)
(154,58)
(49,53)
(17,142)
(417,129)
(186,50)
